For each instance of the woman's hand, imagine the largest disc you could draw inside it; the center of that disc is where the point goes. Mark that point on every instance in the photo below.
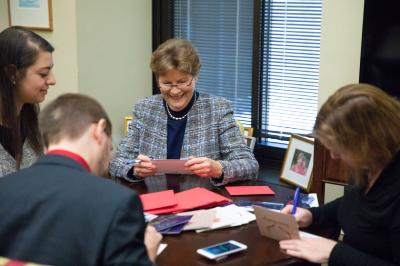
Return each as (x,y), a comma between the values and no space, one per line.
(303,216)
(313,249)
(144,167)
(204,167)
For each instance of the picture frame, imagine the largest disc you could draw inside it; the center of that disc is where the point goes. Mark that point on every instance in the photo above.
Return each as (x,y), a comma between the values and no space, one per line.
(32,14)
(127,122)
(298,163)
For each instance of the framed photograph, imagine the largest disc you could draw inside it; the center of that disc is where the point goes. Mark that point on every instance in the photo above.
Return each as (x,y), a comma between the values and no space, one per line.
(32,14)
(298,164)
(127,122)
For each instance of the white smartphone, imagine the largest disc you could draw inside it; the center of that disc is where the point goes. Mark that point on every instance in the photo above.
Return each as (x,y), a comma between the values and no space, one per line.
(221,250)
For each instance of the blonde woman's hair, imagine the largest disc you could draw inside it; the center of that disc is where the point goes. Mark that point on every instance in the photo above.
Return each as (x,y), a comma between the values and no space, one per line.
(364,121)
(176,54)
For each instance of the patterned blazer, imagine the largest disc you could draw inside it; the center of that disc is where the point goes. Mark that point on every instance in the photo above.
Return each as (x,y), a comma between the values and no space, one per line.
(8,164)
(211,131)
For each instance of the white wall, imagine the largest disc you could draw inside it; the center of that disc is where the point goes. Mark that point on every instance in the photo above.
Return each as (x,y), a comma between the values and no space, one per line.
(340,45)
(114,49)
(63,38)
(3,14)
(103,49)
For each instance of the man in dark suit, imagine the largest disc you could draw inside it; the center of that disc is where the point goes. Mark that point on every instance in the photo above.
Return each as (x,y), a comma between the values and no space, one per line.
(58,211)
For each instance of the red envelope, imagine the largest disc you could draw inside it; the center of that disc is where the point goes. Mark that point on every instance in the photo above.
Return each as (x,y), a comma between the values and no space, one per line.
(193,199)
(157,200)
(249,190)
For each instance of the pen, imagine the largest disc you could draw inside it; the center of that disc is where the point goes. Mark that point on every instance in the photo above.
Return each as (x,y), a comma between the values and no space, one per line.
(295,200)
(137,161)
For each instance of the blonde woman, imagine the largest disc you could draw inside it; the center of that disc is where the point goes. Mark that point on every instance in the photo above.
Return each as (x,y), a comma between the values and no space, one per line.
(359,124)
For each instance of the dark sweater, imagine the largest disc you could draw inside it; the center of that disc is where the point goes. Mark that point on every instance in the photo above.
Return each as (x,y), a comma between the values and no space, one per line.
(6,140)
(371,222)
(176,129)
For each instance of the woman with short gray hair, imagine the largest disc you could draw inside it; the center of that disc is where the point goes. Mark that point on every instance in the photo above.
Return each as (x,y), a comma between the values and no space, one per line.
(182,123)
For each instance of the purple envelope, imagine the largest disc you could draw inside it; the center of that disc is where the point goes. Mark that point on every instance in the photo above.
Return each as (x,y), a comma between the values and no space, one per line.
(177,229)
(161,223)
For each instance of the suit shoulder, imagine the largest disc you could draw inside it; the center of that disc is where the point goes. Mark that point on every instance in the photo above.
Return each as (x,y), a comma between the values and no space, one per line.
(112,186)
(214,102)
(147,106)
(148,101)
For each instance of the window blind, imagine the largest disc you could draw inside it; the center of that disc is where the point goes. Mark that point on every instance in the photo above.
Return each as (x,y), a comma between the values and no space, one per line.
(290,67)
(222,32)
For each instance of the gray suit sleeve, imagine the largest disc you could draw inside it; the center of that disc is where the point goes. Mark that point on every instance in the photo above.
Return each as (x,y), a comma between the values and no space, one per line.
(238,161)
(124,243)
(127,150)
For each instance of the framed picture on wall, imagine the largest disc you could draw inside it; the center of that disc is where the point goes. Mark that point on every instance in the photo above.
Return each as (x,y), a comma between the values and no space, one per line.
(32,14)
(298,164)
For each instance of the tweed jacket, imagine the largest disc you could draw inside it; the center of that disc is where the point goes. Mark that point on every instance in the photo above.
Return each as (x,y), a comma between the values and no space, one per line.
(8,164)
(211,132)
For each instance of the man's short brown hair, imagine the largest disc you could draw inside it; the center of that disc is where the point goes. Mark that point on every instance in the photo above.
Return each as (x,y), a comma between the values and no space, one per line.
(69,116)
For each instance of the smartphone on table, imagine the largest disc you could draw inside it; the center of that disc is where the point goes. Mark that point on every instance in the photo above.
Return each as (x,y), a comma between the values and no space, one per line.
(221,250)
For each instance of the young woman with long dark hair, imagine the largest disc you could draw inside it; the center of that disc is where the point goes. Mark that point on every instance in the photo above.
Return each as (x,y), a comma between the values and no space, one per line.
(25,75)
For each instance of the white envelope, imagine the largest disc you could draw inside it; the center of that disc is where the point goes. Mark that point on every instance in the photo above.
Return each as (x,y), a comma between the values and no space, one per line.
(200,219)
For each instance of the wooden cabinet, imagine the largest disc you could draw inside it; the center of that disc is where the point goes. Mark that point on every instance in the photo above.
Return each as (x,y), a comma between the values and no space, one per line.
(326,170)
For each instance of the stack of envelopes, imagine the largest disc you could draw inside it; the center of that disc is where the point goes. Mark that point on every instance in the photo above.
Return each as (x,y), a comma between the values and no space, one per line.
(203,220)
(170,224)
(167,201)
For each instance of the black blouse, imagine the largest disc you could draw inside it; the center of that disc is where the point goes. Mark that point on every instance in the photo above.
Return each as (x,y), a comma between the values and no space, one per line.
(176,129)
(5,140)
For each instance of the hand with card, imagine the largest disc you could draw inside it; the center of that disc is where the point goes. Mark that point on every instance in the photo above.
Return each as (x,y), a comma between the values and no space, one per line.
(313,249)
(204,167)
(303,216)
(143,166)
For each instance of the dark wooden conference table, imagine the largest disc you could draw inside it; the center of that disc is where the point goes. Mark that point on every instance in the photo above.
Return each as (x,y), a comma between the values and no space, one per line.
(181,249)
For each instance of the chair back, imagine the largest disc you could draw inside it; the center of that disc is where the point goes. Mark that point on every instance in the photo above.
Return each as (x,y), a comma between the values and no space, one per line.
(247,133)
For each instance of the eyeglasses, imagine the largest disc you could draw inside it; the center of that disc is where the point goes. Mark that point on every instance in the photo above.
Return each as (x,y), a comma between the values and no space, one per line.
(180,85)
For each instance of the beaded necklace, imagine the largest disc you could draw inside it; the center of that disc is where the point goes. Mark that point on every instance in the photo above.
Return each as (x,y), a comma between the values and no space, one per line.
(182,117)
